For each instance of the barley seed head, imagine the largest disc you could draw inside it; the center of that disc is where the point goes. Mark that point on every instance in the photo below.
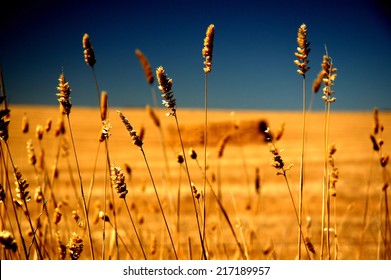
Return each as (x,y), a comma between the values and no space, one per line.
(64,94)
(192,153)
(118,180)
(328,78)
(57,214)
(223,142)
(376,118)
(39,132)
(75,246)
(145,65)
(133,134)
(165,86)
(103,105)
(21,186)
(38,196)
(32,159)
(104,216)
(48,125)
(303,50)
(8,241)
(89,54)
(4,122)
(2,193)
(180,158)
(25,124)
(207,51)
(105,132)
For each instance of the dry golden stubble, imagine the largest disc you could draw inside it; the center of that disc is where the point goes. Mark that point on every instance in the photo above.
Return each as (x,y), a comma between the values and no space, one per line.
(207,51)
(89,54)
(145,66)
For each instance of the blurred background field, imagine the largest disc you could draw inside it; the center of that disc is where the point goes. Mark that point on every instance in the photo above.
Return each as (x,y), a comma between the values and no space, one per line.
(264,220)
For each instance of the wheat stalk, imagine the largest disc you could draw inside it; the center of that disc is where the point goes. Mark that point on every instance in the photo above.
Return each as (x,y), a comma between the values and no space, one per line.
(165,86)
(302,53)
(328,79)
(139,143)
(64,99)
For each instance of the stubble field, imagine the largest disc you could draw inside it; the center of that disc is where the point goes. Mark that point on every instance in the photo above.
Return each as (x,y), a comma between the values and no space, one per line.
(262,216)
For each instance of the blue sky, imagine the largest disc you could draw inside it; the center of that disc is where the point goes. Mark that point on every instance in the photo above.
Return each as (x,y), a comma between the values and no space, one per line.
(253,56)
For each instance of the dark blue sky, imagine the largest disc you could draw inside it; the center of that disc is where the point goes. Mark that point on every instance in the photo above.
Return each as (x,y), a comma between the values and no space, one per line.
(253,58)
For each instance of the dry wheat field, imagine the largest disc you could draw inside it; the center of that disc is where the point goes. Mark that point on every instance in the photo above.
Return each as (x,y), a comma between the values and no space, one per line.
(153,183)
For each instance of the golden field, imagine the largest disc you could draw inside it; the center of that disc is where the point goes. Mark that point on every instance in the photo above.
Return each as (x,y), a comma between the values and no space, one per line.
(264,221)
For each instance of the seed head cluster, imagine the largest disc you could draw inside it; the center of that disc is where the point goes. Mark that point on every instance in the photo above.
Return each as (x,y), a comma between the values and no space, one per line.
(145,65)
(133,134)
(165,86)
(75,246)
(329,75)
(302,51)
(89,54)
(21,186)
(64,94)
(118,180)
(207,51)
(8,241)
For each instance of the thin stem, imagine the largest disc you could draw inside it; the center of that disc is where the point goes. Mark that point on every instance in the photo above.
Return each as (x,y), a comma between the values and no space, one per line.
(191,190)
(82,190)
(135,230)
(104,211)
(96,84)
(123,242)
(205,150)
(294,208)
(325,180)
(112,195)
(302,167)
(12,199)
(160,205)
(224,212)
